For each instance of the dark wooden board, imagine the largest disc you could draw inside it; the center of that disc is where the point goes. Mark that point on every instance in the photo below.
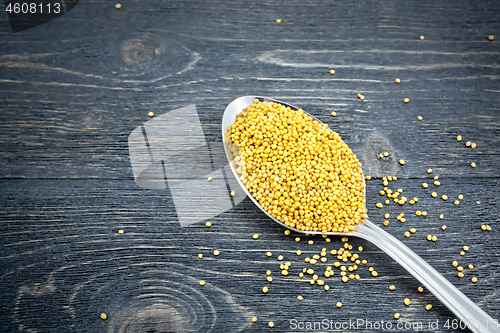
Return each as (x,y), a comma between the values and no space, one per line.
(73,89)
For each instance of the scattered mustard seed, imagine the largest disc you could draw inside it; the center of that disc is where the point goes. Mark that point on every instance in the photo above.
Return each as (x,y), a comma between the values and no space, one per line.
(406,100)
(151,114)
(434,194)
(491,37)
(280,258)
(200,255)
(462,253)
(269,254)
(454,263)
(473,145)
(441,216)
(420,289)
(396,315)
(419,118)
(456,202)
(425,185)
(287,232)
(300,298)
(121,232)
(428,307)
(474,279)
(233,193)
(437,182)
(407,301)
(473,164)
(202,283)
(459,138)
(422,37)
(327,287)
(332,71)
(392,287)
(466,248)
(444,197)
(339,305)
(208,224)
(254,319)
(460,274)
(104,316)
(210,178)
(255,236)
(402,162)
(271,324)
(443,227)
(333,113)
(216,252)
(397,80)
(434,238)
(470,266)
(278,21)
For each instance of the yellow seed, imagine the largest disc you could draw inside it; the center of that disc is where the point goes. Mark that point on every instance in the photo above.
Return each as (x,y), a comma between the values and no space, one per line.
(422,37)
(387,202)
(345,279)
(470,266)
(444,197)
(462,253)
(216,252)
(104,316)
(300,298)
(362,97)
(456,202)
(460,196)
(441,216)
(327,287)
(387,154)
(483,227)
(121,232)
(208,224)
(415,199)
(374,273)
(437,183)
(202,283)
(459,138)
(407,301)
(278,21)
(468,143)
(460,268)
(254,319)
(268,273)
(473,164)
(210,178)
(419,118)
(424,213)
(473,145)
(271,324)
(454,264)
(491,37)
(460,274)
(255,236)
(434,238)
(443,227)
(386,223)
(339,305)
(392,287)
(386,183)
(396,315)
(428,307)
(418,213)
(429,237)
(265,290)
(368,177)
(397,80)
(332,71)
(412,202)
(320,282)
(269,254)
(434,194)
(466,248)
(407,234)
(327,240)
(402,162)
(474,279)
(425,185)
(151,114)
(420,289)
(280,258)
(406,100)
(287,232)
(364,262)
(386,215)
(200,255)
(312,261)
(488,228)
(413,230)
(301,275)
(429,170)
(299,252)
(389,178)
(379,205)
(394,178)
(233,193)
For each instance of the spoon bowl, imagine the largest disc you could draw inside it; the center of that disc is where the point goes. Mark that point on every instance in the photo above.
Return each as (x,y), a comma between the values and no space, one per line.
(467,311)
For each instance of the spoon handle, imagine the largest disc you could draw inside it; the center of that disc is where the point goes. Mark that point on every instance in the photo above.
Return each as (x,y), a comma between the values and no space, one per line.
(467,311)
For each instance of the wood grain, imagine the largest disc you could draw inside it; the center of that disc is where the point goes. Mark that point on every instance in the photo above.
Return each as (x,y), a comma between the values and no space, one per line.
(73,89)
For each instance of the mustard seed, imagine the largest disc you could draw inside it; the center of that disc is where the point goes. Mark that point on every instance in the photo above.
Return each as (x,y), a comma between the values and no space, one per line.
(397,80)
(104,316)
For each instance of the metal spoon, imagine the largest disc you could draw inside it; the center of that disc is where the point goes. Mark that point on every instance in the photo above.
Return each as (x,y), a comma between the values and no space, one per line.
(467,311)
